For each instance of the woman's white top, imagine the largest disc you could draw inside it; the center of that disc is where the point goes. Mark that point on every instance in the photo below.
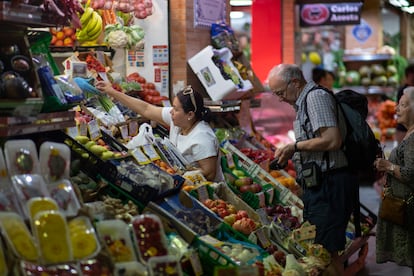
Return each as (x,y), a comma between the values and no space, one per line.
(199,144)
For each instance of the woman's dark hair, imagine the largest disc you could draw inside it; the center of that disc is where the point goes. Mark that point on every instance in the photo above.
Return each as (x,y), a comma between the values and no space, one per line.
(318,73)
(191,100)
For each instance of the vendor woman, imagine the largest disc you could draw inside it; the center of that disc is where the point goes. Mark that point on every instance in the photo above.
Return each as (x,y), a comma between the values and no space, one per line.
(187,121)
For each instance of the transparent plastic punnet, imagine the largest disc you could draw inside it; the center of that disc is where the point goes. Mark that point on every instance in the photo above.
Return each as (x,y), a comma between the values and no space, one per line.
(26,187)
(52,235)
(18,236)
(84,241)
(39,204)
(8,201)
(21,157)
(164,265)
(116,236)
(54,161)
(149,236)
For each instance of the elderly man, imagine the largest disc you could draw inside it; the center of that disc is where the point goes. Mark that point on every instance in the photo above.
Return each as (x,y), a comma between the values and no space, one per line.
(329,188)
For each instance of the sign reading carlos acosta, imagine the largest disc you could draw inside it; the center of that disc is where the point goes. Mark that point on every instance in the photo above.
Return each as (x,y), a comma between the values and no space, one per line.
(343,13)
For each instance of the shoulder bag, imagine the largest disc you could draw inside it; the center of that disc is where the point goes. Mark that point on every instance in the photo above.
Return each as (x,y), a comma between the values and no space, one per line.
(395,209)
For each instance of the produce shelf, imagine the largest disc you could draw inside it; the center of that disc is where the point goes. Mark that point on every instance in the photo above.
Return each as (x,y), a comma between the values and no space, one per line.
(11,126)
(372,90)
(367,57)
(24,14)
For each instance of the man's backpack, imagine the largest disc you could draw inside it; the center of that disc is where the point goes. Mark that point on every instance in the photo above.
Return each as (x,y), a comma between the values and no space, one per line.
(360,146)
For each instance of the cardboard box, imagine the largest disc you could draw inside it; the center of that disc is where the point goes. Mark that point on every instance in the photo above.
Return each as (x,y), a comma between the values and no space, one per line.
(210,76)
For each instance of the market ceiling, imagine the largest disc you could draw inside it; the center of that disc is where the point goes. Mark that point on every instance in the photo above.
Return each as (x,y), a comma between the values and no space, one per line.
(404,5)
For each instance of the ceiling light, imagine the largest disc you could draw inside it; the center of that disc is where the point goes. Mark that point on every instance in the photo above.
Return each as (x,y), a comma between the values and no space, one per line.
(236,14)
(408,9)
(240,2)
(399,3)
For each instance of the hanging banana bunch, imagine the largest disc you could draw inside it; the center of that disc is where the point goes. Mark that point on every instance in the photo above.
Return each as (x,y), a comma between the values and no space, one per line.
(91,27)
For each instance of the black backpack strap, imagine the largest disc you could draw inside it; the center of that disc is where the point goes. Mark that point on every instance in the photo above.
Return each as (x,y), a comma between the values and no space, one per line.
(357,215)
(326,153)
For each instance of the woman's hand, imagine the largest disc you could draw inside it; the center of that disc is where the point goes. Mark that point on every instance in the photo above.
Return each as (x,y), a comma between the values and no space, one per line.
(105,87)
(382,165)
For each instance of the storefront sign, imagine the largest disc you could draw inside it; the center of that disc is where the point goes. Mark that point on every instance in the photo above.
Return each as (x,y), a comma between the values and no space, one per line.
(362,32)
(207,12)
(344,13)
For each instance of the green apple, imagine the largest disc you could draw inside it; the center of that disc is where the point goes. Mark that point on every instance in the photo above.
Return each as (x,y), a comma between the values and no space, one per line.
(238,173)
(230,219)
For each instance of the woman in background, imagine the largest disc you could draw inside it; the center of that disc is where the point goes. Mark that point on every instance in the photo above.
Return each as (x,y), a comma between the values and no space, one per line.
(395,243)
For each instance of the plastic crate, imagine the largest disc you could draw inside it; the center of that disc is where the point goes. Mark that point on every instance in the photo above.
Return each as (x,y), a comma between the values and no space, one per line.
(211,258)
(254,200)
(113,191)
(242,160)
(94,166)
(191,213)
(367,218)
(284,195)
(226,232)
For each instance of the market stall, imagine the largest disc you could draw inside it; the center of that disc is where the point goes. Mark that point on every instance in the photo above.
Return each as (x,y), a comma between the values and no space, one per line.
(85,192)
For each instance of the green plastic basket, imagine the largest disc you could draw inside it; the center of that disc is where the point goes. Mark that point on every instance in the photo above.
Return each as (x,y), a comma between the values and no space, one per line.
(39,44)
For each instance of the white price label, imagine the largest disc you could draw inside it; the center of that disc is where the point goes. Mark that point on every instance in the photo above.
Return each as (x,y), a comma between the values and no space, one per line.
(141,158)
(94,130)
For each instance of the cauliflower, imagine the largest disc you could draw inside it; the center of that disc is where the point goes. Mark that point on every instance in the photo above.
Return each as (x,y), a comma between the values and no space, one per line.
(117,39)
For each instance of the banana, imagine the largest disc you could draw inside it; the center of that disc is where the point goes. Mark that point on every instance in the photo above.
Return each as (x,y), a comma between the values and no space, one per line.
(92,22)
(81,35)
(94,32)
(86,16)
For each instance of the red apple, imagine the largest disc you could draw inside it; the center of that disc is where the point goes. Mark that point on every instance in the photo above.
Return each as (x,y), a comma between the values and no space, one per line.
(245,188)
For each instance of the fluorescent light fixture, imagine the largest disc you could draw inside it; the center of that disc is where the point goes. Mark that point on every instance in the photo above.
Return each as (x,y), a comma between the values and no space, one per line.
(399,3)
(236,14)
(240,2)
(408,9)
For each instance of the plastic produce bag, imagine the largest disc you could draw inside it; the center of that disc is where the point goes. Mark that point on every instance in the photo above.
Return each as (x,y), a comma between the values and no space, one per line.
(85,86)
(145,136)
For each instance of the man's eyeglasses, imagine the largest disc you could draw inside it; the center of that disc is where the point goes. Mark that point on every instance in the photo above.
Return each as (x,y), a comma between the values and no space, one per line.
(189,91)
(281,92)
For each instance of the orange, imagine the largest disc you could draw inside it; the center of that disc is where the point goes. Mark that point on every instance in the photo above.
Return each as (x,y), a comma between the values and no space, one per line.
(68,41)
(59,42)
(53,41)
(60,35)
(68,31)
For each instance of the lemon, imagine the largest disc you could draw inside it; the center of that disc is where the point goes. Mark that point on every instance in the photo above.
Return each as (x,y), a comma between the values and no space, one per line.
(315,58)
(304,57)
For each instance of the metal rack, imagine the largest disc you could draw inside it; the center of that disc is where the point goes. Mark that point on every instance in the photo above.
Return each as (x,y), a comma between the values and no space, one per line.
(43,122)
